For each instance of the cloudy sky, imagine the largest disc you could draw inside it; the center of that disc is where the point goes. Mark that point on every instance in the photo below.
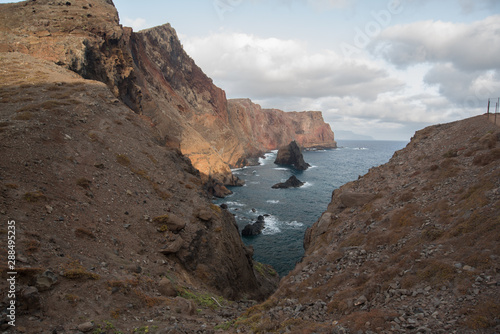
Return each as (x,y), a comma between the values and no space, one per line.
(383,68)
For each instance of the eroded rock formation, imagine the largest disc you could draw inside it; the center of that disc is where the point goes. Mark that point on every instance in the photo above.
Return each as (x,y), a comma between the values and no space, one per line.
(291,155)
(292,182)
(255,228)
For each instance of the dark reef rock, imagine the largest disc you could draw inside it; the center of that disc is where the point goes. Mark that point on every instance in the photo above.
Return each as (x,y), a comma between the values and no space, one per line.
(292,182)
(254,228)
(291,155)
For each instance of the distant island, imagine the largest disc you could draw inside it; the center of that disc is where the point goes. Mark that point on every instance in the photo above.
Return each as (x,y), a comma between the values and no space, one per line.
(349,135)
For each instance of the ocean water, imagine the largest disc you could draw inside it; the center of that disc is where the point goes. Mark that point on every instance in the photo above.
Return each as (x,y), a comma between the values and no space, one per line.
(292,210)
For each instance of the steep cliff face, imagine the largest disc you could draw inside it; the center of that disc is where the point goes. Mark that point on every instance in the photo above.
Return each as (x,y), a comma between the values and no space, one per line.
(150,72)
(269,129)
(412,246)
(214,133)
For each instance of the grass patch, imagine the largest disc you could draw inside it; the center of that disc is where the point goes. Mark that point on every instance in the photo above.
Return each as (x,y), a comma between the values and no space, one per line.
(487,158)
(484,315)
(406,217)
(123,159)
(436,272)
(33,197)
(264,269)
(24,116)
(376,319)
(355,239)
(216,209)
(74,270)
(203,299)
(146,299)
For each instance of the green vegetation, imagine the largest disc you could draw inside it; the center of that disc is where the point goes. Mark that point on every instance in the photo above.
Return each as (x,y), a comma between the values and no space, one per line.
(203,299)
(264,269)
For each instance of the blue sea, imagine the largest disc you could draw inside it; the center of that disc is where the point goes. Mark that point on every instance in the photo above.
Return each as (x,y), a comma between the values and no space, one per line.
(292,211)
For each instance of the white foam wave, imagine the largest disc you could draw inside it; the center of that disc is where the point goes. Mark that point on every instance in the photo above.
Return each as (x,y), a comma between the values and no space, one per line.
(307,185)
(268,157)
(230,203)
(271,226)
(295,224)
(273,201)
(281,168)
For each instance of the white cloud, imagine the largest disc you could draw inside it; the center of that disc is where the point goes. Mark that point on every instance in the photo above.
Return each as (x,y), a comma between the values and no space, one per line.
(246,65)
(417,74)
(473,46)
(136,24)
(462,88)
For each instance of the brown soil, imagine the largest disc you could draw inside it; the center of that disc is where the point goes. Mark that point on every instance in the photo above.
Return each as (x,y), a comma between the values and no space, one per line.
(84,179)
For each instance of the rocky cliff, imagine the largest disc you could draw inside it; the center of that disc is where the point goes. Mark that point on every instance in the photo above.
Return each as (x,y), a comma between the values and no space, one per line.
(112,221)
(110,224)
(150,72)
(270,129)
(410,247)
(216,134)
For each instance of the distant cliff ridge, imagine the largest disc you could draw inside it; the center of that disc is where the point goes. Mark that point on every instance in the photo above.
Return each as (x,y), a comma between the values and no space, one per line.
(269,129)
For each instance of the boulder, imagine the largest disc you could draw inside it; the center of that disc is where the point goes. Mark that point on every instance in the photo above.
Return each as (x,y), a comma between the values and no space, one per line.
(29,300)
(166,288)
(46,280)
(205,215)
(173,246)
(184,306)
(254,228)
(172,222)
(85,327)
(291,155)
(292,182)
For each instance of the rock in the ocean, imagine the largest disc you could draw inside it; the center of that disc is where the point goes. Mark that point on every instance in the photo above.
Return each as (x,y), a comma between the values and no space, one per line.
(292,182)
(291,155)
(254,228)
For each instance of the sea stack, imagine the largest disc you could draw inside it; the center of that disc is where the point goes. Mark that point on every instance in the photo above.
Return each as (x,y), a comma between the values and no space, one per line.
(291,155)
(253,229)
(292,182)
